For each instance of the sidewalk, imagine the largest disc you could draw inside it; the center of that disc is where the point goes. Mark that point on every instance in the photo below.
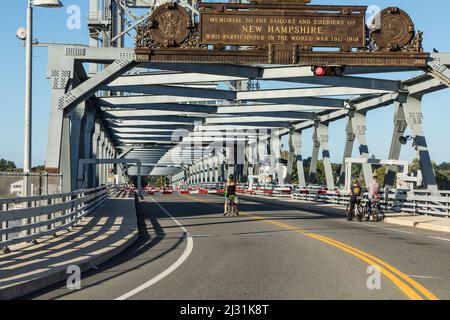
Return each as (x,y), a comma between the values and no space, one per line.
(420,222)
(440,224)
(98,238)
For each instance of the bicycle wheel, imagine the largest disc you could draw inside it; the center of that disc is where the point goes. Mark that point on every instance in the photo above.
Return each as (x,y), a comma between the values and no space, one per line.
(365,213)
(375,215)
(349,213)
(359,213)
(229,209)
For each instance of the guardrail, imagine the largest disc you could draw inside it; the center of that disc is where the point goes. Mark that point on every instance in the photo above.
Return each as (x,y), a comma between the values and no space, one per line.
(27,219)
(419,202)
(114,189)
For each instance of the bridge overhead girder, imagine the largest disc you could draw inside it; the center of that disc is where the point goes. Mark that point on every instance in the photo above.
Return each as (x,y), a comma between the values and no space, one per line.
(185,106)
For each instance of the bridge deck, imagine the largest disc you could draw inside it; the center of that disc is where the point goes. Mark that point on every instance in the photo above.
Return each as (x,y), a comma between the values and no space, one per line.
(274,250)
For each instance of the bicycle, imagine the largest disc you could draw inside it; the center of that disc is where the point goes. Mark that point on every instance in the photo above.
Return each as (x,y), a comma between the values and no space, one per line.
(359,211)
(232,209)
(376,211)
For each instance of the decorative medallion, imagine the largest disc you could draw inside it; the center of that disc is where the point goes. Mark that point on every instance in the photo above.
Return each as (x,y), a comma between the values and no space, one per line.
(392,29)
(169,25)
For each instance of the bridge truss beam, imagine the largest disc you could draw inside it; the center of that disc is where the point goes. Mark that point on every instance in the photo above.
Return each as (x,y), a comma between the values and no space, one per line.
(183,108)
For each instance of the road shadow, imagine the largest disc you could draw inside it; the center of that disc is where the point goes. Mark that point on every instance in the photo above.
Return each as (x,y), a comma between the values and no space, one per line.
(143,244)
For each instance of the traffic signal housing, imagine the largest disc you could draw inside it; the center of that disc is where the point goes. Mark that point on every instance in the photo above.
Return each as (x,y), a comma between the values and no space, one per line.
(328,71)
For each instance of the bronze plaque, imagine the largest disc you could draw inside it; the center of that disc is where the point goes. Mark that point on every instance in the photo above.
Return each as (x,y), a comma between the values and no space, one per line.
(392,29)
(170,24)
(304,28)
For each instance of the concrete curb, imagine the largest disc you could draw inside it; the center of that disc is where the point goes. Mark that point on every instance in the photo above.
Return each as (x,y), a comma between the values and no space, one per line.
(432,225)
(60,274)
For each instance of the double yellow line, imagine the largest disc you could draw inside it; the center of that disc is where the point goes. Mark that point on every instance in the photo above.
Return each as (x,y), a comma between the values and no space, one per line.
(411,288)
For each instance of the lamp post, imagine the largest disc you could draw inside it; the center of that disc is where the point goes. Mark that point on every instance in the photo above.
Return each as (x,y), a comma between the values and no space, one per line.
(28,87)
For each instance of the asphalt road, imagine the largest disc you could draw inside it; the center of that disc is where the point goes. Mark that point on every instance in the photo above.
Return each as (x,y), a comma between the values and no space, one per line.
(274,250)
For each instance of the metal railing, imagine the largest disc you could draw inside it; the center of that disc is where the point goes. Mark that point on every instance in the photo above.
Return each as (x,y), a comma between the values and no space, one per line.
(99,18)
(115,189)
(418,202)
(27,219)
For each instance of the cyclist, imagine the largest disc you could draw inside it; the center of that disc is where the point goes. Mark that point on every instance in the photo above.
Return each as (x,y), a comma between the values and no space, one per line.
(230,193)
(374,189)
(355,194)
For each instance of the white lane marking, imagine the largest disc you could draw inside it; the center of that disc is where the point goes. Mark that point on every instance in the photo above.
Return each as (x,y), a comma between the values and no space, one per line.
(439,238)
(429,277)
(187,251)
(392,229)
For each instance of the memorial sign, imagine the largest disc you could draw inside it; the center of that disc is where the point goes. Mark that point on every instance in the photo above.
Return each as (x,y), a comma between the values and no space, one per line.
(303,26)
(280,32)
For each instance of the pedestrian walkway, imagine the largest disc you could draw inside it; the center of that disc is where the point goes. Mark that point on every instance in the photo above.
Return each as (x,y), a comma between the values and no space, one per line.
(441,224)
(99,237)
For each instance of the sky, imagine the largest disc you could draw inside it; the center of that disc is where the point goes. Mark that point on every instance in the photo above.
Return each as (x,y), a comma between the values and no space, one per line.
(50,26)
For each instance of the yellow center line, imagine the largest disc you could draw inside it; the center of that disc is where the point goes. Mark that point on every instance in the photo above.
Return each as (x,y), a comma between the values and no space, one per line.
(386,269)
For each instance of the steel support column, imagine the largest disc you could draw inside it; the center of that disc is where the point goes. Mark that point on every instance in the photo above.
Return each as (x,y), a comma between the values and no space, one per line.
(414,117)
(291,158)
(275,158)
(75,117)
(251,150)
(360,128)
(246,163)
(102,153)
(323,136)
(88,148)
(314,158)
(400,126)
(262,155)
(348,149)
(96,154)
(297,147)
(60,73)
(64,157)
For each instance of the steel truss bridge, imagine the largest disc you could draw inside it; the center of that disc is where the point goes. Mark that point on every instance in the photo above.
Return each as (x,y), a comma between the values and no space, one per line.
(198,122)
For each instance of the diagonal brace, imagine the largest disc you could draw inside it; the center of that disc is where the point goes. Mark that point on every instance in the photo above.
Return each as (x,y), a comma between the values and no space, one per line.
(92,85)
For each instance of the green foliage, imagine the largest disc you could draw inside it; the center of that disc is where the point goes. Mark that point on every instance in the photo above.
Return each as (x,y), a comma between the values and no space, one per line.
(162,182)
(158,182)
(442,173)
(444,166)
(381,174)
(6,165)
(38,169)
(443,179)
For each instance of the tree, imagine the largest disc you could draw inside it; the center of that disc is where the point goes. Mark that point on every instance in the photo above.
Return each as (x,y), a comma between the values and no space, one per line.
(444,166)
(381,174)
(6,165)
(38,169)
(162,182)
(441,172)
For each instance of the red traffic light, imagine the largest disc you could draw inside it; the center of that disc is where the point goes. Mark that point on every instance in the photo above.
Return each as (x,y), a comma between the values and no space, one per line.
(320,71)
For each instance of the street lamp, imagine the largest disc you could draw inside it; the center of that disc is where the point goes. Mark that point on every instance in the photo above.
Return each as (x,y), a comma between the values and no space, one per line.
(28,86)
